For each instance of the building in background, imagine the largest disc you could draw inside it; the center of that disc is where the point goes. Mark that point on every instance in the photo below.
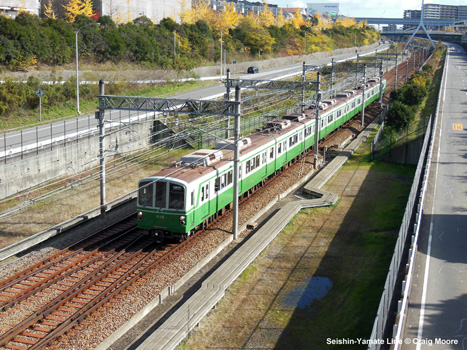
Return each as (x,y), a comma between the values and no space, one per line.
(328,9)
(390,28)
(155,10)
(244,7)
(119,10)
(438,11)
(11,8)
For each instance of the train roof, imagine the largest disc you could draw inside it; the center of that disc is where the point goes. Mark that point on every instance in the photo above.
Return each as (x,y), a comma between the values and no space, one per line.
(202,162)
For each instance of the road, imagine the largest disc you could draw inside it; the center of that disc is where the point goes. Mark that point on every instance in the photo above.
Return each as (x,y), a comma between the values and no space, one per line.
(437,313)
(16,142)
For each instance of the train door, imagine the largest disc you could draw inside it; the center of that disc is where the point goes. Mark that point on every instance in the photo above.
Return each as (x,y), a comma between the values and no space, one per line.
(204,201)
(264,167)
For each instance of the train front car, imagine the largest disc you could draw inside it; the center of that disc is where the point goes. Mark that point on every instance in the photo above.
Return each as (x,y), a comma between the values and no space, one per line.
(162,206)
(178,200)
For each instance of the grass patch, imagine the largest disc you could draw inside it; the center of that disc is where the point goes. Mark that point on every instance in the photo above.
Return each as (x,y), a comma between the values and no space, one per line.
(357,259)
(88,105)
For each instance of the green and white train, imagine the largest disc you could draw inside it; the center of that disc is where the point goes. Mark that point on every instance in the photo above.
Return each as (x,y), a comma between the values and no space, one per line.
(194,191)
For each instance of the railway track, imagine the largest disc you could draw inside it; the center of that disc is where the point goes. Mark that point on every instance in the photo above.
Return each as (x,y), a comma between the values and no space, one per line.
(62,292)
(48,303)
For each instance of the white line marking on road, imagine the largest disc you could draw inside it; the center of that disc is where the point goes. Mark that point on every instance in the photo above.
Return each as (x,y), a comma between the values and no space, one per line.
(440,236)
(430,237)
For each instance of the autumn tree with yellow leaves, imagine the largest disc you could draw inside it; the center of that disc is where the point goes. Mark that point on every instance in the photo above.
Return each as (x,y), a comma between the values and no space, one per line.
(266,16)
(230,17)
(48,12)
(78,7)
(297,20)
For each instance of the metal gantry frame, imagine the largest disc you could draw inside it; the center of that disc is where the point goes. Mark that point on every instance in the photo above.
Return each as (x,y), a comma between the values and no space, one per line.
(183,106)
(224,107)
(301,85)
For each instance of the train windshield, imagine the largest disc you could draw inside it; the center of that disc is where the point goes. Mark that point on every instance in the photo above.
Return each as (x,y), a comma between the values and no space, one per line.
(160,193)
(176,196)
(145,193)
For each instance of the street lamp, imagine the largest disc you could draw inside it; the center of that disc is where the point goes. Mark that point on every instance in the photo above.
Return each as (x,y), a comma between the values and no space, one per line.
(175,42)
(77,78)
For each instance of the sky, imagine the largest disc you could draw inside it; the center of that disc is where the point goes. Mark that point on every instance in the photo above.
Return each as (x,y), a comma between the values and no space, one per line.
(371,8)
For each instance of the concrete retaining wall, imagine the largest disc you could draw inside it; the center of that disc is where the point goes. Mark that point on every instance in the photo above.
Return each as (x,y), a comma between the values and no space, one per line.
(74,156)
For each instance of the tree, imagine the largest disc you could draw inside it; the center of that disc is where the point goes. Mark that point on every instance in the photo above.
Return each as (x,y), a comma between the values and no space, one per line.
(297,20)
(280,19)
(230,16)
(399,116)
(78,7)
(187,15)
(266,17)
(253,36)
(48,12)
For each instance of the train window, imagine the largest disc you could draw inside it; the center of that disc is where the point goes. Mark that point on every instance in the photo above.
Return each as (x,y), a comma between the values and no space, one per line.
(161,194)
(202,193)
(271,153)
(176,196)
(339,113)
(284,144)
(330,118)
(145,193)
(247,167)
(207,191)
(279,148)
(263,160)
(257,161)
(222,181)
(229,177)
(192,198)
(217,184)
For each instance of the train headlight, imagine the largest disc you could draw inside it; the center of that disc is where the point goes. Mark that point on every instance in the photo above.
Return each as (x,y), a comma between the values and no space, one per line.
(140,216)
(182,220)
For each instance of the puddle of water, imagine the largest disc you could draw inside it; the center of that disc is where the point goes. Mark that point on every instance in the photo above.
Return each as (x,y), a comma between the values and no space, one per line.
(304,294)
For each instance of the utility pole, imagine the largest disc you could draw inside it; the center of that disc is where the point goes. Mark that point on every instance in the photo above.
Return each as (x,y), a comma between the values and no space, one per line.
(356,70)
(332,77)
(363,94)
(381,83)
(100,117)
(318,99)
(406,69)
(227,98)
(238,96)
(221,55)
(376,61)
(395,80)
(303,88)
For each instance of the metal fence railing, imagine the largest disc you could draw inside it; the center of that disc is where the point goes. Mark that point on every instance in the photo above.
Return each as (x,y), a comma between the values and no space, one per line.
(389,287)
(413,212)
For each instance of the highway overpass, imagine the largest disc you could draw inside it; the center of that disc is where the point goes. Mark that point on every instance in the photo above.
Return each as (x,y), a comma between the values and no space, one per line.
(408,21)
